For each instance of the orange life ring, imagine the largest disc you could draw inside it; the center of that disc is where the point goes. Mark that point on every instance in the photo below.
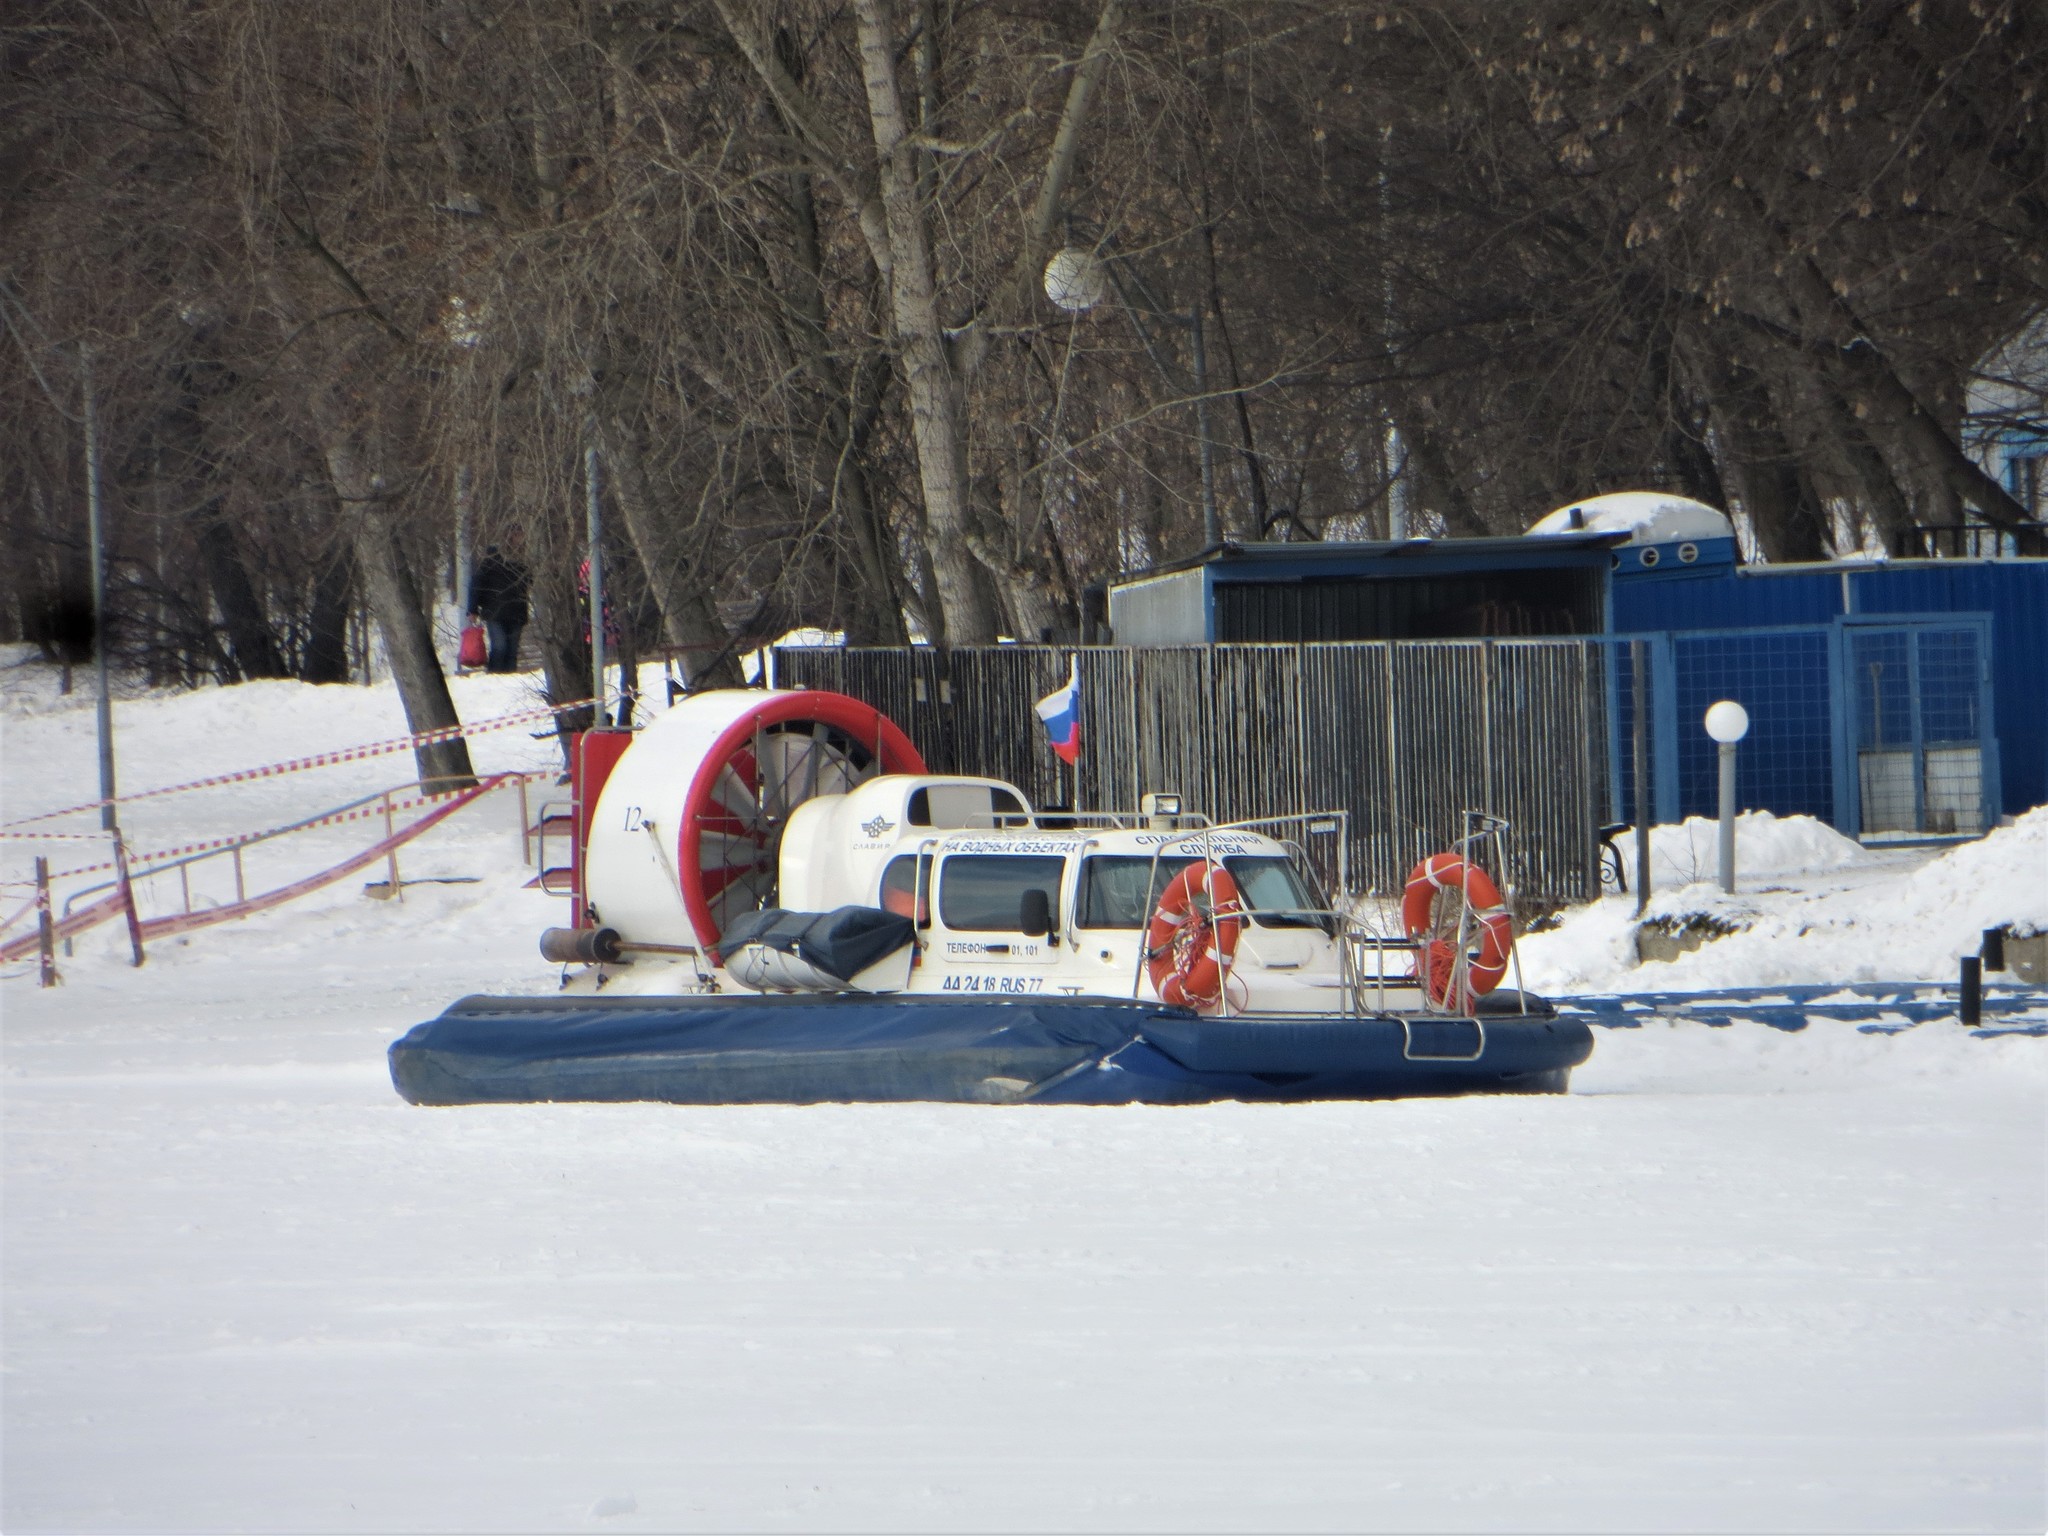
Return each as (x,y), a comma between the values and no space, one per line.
(1189,947)
(1448,872)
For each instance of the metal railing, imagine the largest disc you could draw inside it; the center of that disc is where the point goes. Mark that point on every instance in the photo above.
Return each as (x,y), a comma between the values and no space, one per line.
(1975,541)
(78,911)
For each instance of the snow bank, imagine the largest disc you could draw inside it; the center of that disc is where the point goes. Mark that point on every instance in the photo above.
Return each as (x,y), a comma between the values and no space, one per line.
(1897,916)
(1764,845)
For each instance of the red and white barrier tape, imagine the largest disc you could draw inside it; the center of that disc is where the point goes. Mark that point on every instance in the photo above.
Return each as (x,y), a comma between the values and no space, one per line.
(136,861)
(296,765)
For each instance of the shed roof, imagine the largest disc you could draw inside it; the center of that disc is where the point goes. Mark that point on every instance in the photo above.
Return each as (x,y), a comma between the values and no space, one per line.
(1234,561)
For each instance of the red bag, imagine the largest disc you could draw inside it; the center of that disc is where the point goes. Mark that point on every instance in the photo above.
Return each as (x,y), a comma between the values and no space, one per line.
(476,646)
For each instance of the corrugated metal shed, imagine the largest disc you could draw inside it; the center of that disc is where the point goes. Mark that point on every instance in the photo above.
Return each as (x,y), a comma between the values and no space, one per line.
(1172,609)
(1413,589)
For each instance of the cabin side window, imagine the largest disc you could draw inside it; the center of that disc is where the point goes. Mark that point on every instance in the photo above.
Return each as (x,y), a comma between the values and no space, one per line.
(984,892)
(907,887)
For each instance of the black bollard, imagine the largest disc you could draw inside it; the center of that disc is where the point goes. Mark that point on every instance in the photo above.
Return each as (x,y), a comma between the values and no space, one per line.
(1973,991)
(1993,949)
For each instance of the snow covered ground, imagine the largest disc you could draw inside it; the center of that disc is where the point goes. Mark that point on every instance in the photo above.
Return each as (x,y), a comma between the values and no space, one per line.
(1810,906)
(1738,1279)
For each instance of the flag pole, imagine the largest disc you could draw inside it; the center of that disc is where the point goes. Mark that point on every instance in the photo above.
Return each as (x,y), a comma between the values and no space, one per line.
(1080,738)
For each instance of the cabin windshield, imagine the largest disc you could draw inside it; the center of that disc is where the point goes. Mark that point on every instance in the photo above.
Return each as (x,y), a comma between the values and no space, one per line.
(1114,894)
(1113,891)
(1279,895)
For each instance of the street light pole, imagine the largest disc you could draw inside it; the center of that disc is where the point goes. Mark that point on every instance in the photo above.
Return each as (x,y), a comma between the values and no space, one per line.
(1212,527)
(96,537)
(1397,490)
(595,532)
(1727,722)
(1075,280)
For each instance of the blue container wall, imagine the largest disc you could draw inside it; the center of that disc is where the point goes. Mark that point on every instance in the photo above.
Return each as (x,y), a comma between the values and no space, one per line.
(1787,761)
(2013,592)
(1729,599)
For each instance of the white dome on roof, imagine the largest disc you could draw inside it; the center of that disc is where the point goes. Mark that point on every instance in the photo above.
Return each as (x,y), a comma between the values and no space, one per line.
(1647,517)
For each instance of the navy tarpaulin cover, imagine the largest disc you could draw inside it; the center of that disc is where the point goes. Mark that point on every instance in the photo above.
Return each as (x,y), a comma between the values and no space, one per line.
(806,1050)
(842,943)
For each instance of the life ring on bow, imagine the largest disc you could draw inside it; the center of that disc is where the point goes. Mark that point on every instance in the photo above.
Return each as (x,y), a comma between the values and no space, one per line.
(1496,935)
(1192,937)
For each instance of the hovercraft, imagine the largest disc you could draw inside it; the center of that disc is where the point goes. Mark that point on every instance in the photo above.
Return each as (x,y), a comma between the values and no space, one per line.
(773,902)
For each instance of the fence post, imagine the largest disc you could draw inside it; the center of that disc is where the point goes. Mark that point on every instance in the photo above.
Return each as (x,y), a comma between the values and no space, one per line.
(1992,949)
(1486,681)
(1639,681)
(1396,818)
(1601,774)
(46,933)
(391,855)
(1664,726)
(128,899)
(525,827)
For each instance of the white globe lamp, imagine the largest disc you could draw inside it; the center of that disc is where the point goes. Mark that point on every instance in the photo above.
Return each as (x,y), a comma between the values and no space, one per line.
(1727,722)
(1074,279)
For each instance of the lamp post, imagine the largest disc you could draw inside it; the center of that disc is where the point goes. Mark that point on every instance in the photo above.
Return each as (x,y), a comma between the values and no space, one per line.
(1076,279)
(96,539)
(1727,722)
(594,532)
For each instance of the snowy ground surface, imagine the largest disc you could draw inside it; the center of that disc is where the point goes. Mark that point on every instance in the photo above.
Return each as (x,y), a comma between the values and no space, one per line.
(1738,1279)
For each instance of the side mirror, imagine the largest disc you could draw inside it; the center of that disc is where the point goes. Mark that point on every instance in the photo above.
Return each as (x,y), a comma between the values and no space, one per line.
(1034,914)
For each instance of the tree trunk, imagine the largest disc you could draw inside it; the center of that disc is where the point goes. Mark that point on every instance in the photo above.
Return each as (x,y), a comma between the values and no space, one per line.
(1684,446)
(687,617)
(1756,460)
(394,601)
(562,623)
(1440,489)
(325,659)
(938,412)
(1873,388)
(1835,446)
(251,644)
(876,615)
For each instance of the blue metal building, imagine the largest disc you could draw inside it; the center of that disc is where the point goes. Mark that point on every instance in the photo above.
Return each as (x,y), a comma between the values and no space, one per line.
(1892,699)
(1895,698)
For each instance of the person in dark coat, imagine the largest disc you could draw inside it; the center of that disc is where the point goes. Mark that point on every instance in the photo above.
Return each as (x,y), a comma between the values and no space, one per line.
(497,597)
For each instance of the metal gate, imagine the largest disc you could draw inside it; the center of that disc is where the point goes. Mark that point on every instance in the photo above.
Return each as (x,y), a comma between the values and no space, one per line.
(1919,723)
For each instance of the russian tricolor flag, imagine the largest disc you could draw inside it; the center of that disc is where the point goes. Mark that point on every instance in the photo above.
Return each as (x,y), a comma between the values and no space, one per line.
(1061,713)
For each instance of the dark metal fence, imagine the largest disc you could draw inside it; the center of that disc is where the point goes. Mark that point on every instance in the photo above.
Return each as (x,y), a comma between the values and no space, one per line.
(1880,724)
(1404,735)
